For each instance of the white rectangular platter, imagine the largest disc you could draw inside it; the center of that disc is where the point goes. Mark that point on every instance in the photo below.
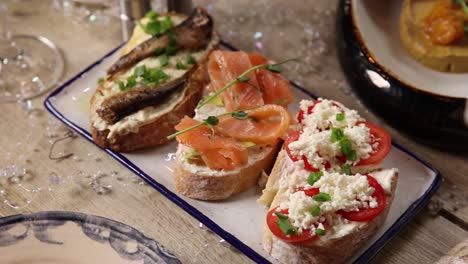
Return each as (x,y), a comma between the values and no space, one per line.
(417,182)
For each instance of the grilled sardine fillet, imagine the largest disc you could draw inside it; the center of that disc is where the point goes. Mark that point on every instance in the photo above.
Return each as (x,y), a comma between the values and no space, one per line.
(148,89)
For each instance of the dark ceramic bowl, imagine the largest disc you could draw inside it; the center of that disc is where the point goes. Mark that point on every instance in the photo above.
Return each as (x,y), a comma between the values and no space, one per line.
(431,106)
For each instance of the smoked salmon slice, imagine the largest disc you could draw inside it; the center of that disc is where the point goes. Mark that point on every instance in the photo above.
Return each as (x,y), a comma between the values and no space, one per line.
(217,152)
(264,125)
(225,66)
(276,89)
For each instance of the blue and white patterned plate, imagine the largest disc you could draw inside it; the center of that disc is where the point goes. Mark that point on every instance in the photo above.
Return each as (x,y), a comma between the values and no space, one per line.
(240,219)
(75,238)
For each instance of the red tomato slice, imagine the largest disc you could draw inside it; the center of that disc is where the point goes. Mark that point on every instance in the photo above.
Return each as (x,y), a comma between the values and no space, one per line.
(367,214)
(309,192)
(291,137)
(300,114)
(272,220)
(379,135)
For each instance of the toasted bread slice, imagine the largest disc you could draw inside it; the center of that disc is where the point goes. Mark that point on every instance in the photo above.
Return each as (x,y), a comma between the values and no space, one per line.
(200,182)
(335,247)
(151,125)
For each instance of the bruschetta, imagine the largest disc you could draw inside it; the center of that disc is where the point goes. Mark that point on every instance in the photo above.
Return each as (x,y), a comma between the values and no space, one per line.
(157,80)
(327,191)
(237,129)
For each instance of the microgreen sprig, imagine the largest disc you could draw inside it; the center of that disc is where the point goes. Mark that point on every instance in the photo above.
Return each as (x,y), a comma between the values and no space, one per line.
(212,121)
(463,5)
(244,78)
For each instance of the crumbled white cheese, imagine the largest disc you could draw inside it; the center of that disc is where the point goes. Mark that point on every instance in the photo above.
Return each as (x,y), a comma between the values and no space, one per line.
(315,141)
(324,113)
(348,193)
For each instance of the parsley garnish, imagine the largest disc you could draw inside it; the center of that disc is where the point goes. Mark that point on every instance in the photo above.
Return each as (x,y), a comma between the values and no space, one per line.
(315,211)
(320,232)
(313,177)
(191,60)
(156,27)
(180,65)
(340,117)
(322,197)
(271,67)
(284,224)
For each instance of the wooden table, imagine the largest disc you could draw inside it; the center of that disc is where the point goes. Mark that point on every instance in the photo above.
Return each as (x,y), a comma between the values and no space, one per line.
(92,182)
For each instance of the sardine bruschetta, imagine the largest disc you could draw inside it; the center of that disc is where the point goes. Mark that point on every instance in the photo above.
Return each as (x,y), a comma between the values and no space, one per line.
(158,79)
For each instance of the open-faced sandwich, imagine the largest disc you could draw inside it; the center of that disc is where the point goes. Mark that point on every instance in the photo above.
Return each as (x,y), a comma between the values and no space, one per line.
(158,79)
(327,191)
(236,132)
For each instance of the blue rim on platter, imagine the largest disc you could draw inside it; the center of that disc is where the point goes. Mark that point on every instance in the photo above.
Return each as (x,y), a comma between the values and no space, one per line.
(99,229)
(366,256)
(433,119)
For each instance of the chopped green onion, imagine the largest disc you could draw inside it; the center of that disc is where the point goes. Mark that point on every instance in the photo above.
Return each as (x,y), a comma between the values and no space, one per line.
(315,211)
(121,85)
(180,65)
(340,117)
(336,134)
(320,232)
(139,71)
(191,60)
(347,169)
(164,60)
(314,176)
(284,225)
(322,197)
(151,15)
(101,80)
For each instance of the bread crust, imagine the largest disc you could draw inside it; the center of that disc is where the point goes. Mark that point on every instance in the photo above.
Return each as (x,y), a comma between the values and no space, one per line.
(220,185)
(336,250)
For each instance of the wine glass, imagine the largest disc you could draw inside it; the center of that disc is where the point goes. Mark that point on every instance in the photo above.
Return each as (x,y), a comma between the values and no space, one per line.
(30,65)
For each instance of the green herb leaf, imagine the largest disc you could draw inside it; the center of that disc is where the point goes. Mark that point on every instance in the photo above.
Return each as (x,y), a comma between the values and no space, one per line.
(240,115)
(274,68)
(101,80)
(131,82)
(347,149)
(347,169)
(320,231)
(211,121)
(191,60)
(284,225)
(340,117)
(151,15)
(336,134)
(315,211)
(243,79)
(313,177)
(121,85)
(322,197)
(180,66)
(164,60)
(192,156)
(139,71)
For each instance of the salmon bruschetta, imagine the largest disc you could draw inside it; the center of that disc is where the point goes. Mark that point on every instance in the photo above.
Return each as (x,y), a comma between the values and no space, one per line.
(236,132)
